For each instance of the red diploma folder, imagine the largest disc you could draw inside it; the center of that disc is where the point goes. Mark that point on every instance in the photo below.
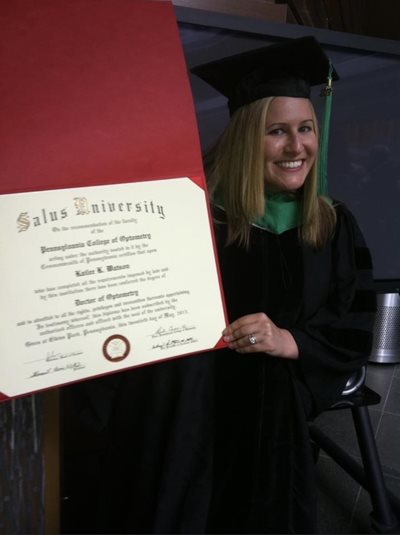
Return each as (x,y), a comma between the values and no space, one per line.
(93,92)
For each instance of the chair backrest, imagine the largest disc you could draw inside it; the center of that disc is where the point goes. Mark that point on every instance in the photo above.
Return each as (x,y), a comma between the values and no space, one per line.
(355,381)
(356,393)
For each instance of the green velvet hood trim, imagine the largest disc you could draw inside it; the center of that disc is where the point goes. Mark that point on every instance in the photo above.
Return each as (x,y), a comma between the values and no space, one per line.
(283,211)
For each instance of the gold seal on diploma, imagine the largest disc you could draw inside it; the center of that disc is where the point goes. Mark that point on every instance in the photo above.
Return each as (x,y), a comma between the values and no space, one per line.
(116,348)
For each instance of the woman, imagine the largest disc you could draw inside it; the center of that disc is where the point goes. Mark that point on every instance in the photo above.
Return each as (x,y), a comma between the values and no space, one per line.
(298,285)
(219,442)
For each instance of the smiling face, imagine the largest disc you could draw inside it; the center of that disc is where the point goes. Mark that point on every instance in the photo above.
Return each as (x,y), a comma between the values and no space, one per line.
(290,144)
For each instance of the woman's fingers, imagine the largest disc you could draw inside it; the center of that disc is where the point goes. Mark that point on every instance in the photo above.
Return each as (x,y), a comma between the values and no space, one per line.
(245,326)
(247,332)
(257,333)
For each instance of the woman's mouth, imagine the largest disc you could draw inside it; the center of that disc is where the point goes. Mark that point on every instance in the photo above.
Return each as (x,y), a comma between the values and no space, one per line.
(290,164)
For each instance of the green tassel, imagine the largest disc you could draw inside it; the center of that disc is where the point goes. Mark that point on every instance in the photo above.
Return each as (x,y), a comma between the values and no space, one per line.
(324,137)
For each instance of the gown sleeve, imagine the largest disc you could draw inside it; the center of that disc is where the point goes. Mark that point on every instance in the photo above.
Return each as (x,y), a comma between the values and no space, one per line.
(335,335)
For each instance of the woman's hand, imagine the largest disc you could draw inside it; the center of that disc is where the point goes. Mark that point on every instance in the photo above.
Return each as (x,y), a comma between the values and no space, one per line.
(257,333)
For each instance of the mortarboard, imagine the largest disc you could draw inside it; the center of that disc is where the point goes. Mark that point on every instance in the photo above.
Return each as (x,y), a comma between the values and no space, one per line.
(285,69)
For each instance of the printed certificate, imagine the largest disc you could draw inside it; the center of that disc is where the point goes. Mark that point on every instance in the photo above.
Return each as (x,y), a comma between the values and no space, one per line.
(102,278)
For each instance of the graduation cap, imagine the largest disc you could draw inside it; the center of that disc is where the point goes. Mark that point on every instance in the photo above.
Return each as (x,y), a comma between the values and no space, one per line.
(287,69)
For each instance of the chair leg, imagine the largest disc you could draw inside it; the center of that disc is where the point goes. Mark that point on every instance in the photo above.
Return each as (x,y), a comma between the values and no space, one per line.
(369,475)
(382,518)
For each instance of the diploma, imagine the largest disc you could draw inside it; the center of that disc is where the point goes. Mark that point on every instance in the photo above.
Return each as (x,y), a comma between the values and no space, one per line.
(102,278)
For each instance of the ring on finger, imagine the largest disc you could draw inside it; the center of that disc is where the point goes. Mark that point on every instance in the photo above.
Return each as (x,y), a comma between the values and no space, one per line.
(252,339)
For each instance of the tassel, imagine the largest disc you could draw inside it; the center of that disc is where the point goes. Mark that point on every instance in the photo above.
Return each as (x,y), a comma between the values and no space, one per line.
(322,188)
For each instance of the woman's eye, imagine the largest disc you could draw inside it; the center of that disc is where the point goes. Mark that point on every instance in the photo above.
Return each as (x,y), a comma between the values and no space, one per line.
(305,128)
(276,132)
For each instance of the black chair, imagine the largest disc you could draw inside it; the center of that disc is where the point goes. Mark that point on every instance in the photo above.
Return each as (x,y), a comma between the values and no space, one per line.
(358,397)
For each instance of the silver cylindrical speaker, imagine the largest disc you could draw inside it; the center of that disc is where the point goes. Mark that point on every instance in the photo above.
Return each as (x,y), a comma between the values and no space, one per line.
(386,345)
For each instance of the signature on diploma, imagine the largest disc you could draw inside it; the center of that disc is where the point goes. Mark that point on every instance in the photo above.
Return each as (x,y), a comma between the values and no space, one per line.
(74,366)
(163,331)
(174,342)
(53,355)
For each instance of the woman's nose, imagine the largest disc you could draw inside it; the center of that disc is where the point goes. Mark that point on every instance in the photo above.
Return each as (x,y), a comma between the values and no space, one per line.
(294,144)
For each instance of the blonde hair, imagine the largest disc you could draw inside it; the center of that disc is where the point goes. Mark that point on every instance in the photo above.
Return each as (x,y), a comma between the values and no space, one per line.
(235,176)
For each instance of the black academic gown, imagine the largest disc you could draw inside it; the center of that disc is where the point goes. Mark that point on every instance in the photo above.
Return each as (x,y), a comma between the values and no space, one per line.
(264,473)
(218,442)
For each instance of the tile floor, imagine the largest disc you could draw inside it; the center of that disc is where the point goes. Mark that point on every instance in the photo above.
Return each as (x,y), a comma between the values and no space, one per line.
(344,506)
